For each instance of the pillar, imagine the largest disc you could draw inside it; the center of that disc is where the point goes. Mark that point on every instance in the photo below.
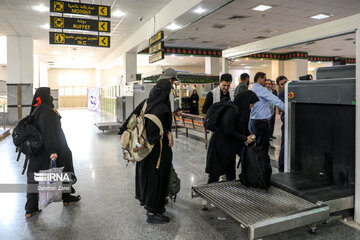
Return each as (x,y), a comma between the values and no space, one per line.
(20,69)
(357,132)
(225,65)
(277,69)
(212,66)
(130,67)
(295,68)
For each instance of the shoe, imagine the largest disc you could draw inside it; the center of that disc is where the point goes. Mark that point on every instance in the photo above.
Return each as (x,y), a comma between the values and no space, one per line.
(71,199)
(161,212)
(30,214)
(157,218)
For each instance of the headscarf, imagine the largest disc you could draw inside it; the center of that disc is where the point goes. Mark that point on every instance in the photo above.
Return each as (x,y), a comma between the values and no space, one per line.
(42,96)
(158,101)
(243,101)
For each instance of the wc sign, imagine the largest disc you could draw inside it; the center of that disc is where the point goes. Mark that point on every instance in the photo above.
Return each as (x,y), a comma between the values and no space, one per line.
(52,177)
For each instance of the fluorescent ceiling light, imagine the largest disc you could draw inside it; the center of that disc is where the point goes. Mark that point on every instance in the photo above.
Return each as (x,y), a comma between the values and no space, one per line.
(264,65)
(117,13)
(248,67)
(173,27)
(45,26)
(199,10)
(261,8)
(320,16)
(41,8)
(243,64)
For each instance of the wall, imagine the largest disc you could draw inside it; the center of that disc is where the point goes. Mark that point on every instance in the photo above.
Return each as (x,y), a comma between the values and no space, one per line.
(236,72)
(54,73)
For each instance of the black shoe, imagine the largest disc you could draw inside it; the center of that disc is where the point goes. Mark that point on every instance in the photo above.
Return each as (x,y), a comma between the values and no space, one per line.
(71,199)
(142,204)
(161,212)
(30,214)
(157,218)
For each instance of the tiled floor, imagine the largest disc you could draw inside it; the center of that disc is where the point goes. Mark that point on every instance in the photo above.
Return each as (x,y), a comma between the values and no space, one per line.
(108,209)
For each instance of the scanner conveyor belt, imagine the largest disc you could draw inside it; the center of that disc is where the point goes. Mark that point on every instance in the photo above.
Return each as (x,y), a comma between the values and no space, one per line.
(263,212)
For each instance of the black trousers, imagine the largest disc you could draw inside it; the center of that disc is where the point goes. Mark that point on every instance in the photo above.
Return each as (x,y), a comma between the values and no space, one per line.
(261,130)
(230,173)
(281,155)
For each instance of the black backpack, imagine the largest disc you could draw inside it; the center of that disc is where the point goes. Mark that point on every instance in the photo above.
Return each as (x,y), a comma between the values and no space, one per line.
(174,184)
(214,114)
(255,168)
(27,138)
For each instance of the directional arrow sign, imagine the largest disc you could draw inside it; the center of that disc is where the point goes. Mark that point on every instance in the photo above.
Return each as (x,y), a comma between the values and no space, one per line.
(79,39)
(79,24)
(79,8)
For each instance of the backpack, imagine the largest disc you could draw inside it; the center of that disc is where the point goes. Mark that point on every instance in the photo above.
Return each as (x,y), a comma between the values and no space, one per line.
(27,138)
(255,168)
(174,184)
(214,114)
(134,141)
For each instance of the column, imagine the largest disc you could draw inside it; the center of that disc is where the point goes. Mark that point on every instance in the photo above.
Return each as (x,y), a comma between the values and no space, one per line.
(295,68)
(129,73)
(357,132)
(225,65)
(277,69)
(20,69)
(212,66)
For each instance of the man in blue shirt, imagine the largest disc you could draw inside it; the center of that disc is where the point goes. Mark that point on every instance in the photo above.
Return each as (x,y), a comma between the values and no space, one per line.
(261,114)
(281,81)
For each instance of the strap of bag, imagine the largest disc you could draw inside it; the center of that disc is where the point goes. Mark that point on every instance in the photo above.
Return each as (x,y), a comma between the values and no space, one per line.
(158,123)
(143,108)
(25,164)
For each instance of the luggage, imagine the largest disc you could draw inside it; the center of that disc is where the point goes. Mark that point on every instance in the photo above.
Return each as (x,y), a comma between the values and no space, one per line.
(174,184)
(255,168)
(49,191)
(27,138)
(134,142)
(214,114)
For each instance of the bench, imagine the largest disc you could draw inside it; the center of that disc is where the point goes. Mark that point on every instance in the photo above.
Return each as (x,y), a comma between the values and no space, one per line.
(192,122)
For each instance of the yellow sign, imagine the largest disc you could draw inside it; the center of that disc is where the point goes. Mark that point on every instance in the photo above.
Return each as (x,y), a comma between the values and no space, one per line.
(157,37)
(104,41)
(103,26)
(59,38)
(156,57)
(59,22)
(103,11)
(156,47)
(58,6)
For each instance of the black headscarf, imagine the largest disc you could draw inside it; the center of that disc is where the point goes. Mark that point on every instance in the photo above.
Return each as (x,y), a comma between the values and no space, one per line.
(42,96)
(158,101)
(243,101)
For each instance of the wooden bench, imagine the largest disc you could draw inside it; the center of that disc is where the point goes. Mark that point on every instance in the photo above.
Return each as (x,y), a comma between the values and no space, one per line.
(192,122)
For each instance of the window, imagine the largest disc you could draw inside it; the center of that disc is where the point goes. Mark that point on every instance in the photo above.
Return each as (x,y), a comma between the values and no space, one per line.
(73,85)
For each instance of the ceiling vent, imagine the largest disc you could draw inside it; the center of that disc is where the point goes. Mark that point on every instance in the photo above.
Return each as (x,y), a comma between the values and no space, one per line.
(172,40)
(206,41)
(191,38)
(349,39)
(260,37)
(237,17)
(268,31)
(218,26)
(310,43)
(337,49)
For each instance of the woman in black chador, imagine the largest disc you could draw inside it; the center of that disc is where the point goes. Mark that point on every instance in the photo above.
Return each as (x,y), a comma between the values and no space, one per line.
(232,133)
(55,147)
(194,109)
(151,183)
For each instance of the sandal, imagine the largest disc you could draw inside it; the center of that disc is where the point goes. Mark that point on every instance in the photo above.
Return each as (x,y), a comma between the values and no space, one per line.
(71,199)
(29,215)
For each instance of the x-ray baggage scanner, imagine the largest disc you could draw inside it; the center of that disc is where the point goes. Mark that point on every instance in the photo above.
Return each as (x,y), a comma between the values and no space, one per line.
(319,180)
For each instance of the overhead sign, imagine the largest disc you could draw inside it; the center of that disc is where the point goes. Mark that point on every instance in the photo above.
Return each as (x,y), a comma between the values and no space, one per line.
(79,24)
(156,57)
(156,47)
(79,39)
(79,8)
(157,37)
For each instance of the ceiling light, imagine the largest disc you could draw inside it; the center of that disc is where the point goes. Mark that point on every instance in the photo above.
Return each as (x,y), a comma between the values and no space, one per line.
(243,64)
(117,13)
(264,65)
(191,55)
(173,27)
(320,16)
(199,10)
(173,55)
(248,67)
(41,8)
(261,8)
(45,26)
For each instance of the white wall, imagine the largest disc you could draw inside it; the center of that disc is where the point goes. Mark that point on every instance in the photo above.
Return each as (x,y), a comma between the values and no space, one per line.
(236,72)
(295,68)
